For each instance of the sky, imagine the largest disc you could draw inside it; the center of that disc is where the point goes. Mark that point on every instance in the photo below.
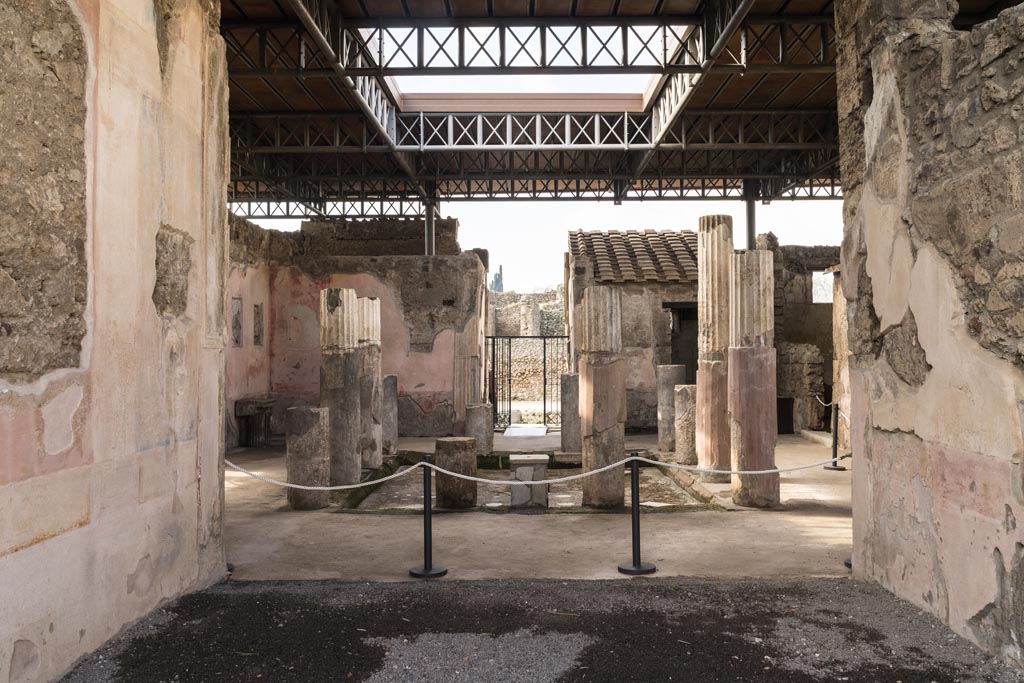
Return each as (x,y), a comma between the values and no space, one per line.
(529,238)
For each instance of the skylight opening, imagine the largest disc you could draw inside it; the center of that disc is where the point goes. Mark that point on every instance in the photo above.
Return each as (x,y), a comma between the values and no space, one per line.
(633,84)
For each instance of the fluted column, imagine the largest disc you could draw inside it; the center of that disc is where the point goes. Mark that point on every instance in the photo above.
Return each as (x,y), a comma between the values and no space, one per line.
(602,382)
(752,382)
(371,392)
(714,247)
(339,381)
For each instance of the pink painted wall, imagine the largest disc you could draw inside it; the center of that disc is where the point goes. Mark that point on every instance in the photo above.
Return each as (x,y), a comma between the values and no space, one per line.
(247,370)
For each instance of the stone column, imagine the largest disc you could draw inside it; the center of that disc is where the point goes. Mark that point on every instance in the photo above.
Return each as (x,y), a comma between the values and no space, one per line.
(389,414)
(480,426)
(714,246)
(529,319)
(752,382)
(308,459)
(339,381)
(570,395)
(371,391)
(667,377)
(686,423)
(455,454)
(602,377)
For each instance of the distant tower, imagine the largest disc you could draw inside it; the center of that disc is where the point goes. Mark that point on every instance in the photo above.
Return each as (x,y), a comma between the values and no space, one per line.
(498,281)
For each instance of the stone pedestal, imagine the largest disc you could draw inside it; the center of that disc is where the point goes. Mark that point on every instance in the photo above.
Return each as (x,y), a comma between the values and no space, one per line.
(529,467)
(712,430)
(480,426)
(752,413)
(308,460)
(685,400)
(602,377)
(571,437)
(371,398)
(339,382)
(389,414)
(455,454)
(668,376)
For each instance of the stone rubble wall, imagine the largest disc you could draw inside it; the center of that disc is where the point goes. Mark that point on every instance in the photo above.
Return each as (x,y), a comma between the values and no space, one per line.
(801,376)
(527,355)
(932,152)
(112,318)
(431,318)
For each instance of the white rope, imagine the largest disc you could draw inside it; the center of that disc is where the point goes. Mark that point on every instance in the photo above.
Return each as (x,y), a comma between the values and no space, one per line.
(818,399)
(513,482)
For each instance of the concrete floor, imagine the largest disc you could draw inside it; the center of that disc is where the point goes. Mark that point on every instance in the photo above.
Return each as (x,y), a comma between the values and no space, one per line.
(645,630)
(809,536)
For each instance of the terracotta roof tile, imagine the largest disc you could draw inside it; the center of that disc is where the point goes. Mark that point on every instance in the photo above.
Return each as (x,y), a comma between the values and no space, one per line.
(638,256)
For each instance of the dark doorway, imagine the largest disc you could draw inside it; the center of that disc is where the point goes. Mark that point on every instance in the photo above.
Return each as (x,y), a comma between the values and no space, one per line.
(684,337)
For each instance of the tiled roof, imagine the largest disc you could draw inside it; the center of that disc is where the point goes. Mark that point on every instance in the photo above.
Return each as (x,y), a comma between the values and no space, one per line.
(638,256)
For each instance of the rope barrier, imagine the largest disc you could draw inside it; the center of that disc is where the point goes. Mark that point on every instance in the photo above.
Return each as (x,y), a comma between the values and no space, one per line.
(512,482)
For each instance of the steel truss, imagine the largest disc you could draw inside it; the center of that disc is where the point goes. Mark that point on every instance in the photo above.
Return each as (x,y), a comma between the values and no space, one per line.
(712,129)
(594,45)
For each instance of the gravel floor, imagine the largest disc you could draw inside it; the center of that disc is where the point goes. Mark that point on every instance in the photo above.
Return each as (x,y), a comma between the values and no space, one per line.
(509,631)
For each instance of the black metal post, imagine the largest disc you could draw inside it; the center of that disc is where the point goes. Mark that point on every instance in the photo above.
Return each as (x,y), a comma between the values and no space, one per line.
(544,376)
(834,465)
(429,570)
(636,567)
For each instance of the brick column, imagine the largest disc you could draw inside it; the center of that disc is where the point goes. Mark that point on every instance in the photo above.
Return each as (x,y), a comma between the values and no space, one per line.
(714,247)
(602,372)
(339,381)
(752,383)
(371,391)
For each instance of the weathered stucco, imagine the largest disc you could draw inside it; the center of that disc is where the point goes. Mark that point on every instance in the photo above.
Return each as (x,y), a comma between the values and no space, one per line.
(432,311)
(933,274)
(111,391)
(43,280)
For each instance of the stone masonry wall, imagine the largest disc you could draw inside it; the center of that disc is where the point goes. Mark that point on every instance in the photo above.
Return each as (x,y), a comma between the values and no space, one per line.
(527,355)
(112,265)
(932,151)
(431,320)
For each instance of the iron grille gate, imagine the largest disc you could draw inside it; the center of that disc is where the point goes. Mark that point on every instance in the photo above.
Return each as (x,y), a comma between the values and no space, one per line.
(525,373)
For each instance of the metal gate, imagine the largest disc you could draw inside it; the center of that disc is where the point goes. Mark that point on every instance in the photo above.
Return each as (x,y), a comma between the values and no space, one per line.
(525,373)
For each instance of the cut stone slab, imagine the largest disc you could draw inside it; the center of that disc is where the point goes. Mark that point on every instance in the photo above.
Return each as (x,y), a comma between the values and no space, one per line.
(529,467)
(455,454)
(389,414)
(685,418)
(480,426)
(308,459)
(668,376)
(572,440)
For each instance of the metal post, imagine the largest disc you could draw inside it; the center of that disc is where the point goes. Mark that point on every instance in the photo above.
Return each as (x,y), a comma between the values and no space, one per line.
(636,567)
(750,191)
(834,465)
(428,228)
(428,570)
(544,376)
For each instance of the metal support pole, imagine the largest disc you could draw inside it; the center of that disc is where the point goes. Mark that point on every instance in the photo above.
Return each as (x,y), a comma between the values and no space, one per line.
(429,570)
(750,192)
(636,567)
(428,228)
(834,465)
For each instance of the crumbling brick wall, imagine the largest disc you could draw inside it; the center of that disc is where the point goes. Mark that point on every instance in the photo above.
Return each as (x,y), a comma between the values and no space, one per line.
(932,152)
(43,277)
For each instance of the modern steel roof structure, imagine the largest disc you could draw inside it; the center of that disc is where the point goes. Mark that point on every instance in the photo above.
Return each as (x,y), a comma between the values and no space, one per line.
(742,104)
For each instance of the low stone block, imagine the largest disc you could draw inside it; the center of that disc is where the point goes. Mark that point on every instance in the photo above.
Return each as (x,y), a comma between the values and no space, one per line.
(529,467)
(389,414)
(308,459)
(668,376)
(685,399)
(480,426)
(455,454)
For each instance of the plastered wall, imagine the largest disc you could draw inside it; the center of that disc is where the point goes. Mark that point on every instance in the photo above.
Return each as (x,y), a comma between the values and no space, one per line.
(110,460)
(432,319)
(933,274)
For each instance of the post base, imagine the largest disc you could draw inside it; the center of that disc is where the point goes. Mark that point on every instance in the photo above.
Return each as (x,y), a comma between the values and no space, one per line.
(435,572)
(637,569)
(834,468)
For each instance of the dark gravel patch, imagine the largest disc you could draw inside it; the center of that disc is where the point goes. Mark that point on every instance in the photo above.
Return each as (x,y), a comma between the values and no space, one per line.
(480,631)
